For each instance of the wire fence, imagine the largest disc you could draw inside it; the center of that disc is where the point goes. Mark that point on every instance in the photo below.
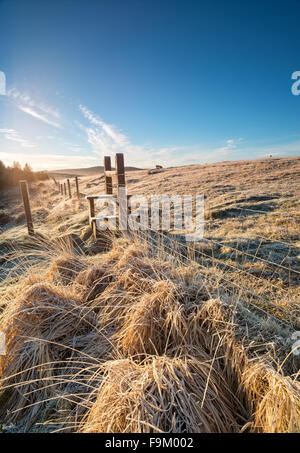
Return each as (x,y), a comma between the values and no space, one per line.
(162,243)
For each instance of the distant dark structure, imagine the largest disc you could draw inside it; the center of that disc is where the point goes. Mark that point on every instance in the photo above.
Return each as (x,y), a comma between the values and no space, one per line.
(154,171)
(158,166)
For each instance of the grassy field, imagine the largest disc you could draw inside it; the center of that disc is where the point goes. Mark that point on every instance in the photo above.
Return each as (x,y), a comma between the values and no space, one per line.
(144,333)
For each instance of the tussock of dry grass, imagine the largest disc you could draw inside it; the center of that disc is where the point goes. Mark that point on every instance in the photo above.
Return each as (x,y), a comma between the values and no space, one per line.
(163,395)
(152,324)
(94,280)
(65,268)
(40,326)
(275,399)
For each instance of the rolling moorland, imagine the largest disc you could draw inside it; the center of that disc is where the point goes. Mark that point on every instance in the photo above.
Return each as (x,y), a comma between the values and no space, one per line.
(90,171)
(144,332)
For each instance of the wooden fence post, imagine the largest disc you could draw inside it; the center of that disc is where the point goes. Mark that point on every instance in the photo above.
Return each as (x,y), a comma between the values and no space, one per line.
(91,201)
(120,171)
(121,197)
(77,187)
(69,188)
(65,189)
(24,192)
(61,189)
(107,179)
(93,224)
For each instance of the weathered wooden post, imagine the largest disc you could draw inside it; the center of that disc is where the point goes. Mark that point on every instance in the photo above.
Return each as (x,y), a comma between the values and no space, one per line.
(61,189)
(120,171)
(65,189)
(24,192)
(77,187)
(92,220)
(69,188)
(91,201)
(121,195)
(107,179)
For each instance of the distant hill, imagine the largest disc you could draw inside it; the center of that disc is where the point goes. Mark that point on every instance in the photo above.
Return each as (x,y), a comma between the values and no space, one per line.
(68,173)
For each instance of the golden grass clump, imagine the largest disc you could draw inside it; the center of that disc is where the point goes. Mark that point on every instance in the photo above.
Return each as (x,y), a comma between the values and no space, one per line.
(162,395)
(113,290)
(274,399)
(41,328)
(64,269)
(209,325)
(135,250)
(94,280)
(153,324)
(271,399)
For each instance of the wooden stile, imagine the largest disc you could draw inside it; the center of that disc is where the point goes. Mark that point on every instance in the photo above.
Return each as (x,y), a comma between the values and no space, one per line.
(111,173)
(121,198)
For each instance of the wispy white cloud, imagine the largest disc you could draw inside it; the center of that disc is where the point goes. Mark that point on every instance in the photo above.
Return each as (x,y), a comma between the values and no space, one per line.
(50,110)
(40,111)
(39,116)
(107,139)
(104,137)
(13,135)
(231,145)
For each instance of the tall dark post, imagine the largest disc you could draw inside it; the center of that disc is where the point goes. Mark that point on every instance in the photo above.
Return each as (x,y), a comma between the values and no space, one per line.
(91,202)
(25,197)
(69,188)
(120,170)
(121,194)
(77,187)
(107,179)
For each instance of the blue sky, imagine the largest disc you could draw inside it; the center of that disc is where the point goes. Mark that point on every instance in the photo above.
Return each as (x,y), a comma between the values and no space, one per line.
(165,82)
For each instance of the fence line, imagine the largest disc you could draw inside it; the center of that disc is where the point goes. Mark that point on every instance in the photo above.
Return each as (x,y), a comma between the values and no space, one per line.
(117,178)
